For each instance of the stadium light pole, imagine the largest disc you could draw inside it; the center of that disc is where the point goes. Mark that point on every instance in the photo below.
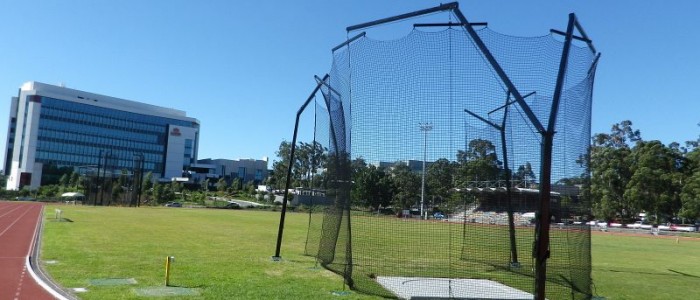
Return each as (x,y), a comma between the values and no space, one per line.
(424,127)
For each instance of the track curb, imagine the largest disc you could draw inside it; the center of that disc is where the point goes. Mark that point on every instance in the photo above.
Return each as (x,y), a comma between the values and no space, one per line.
(34,267)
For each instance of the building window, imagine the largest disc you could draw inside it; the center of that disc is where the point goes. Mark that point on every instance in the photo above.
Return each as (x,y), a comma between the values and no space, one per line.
(75,133)
(187,161)
(241,172)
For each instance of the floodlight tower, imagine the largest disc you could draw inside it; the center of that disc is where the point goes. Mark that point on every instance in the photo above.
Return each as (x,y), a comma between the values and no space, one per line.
(424,127)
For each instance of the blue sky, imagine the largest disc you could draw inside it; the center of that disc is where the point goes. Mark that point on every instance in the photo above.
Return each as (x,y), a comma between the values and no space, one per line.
(243,68)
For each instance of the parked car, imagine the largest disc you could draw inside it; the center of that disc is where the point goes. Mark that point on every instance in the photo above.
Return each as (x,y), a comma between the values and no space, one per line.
(232,205)
(686,228)
(173,204)
(639,225)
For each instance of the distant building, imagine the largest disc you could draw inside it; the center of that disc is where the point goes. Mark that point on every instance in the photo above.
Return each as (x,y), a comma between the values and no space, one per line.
(244,170)
(52,126)
(415,165)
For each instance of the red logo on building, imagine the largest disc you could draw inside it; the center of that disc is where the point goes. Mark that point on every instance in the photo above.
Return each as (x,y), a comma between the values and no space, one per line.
(175,131)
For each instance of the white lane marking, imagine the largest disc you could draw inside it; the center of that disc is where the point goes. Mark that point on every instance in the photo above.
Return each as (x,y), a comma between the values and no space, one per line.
(13,223)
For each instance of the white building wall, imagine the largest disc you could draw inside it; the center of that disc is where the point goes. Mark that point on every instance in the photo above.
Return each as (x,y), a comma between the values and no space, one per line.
(175,157)
(8,151)
(25,148)
(13,177)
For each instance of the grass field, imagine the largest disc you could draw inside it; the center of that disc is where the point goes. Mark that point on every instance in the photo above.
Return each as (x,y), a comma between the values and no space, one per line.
(225,254)
(626,267)
(387,246)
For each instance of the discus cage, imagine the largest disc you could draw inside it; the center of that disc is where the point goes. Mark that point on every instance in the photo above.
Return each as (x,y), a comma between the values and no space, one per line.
(454,162)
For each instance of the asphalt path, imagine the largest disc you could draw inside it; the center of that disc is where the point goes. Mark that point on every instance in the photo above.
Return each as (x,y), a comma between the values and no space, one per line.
(18,225)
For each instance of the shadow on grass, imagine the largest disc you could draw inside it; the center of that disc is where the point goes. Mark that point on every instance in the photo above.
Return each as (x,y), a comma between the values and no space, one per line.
(684,274)
(62,220)
(675,273)
(200,286)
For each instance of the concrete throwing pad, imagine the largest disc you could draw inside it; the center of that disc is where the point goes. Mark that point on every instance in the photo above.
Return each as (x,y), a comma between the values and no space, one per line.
(112,281)
(445,288)
(165,291)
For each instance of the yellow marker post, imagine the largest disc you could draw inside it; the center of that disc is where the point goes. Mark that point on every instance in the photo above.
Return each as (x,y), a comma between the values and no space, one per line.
(168,261)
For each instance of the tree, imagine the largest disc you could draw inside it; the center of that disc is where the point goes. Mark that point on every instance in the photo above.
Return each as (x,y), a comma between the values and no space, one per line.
(221,186)
(163,193)
(169,192)
(371,188)
(249,187)
(653,186)
(236,184)
(74,179)
(121,184)
(158,190)
(406,186)
(65,178)
(271,179)
(361,188)
(280,166)
(620,136)
(310,157)
(690,193)
(116,192)
(49,191)
(176,187)
(525,175)
(478,163)
(439,179)
(693,144)
(610,171)
(205,185)
(147,185)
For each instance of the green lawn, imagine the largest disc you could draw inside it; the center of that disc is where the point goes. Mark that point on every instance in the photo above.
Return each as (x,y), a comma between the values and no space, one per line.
(646,267)
(387,246)
(225,254)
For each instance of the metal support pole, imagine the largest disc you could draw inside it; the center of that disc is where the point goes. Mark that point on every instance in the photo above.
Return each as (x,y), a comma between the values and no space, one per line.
(102,182)
(544,215)
(499,71)
(280,231)
(449,24)
(511,223)
(442,7)
(541,252)
(514,263)
(348,41)
(99,166)
(424,127)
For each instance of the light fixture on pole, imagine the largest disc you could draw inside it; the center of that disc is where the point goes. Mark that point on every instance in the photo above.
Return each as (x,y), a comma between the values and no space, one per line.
(424,127)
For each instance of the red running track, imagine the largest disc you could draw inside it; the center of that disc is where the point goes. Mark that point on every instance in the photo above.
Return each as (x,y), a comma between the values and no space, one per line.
(18,223)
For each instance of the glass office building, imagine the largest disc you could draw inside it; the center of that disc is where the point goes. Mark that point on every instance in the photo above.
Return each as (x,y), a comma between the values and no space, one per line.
(53,126)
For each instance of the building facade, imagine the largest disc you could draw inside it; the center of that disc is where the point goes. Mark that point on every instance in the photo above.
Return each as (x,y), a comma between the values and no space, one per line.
(52,126)
(244,170)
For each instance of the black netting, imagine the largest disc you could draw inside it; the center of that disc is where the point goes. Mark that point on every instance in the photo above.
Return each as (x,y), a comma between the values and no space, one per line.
(430,159)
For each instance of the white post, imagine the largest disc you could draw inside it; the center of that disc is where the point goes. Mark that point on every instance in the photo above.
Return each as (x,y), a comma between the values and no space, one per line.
(424,127)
